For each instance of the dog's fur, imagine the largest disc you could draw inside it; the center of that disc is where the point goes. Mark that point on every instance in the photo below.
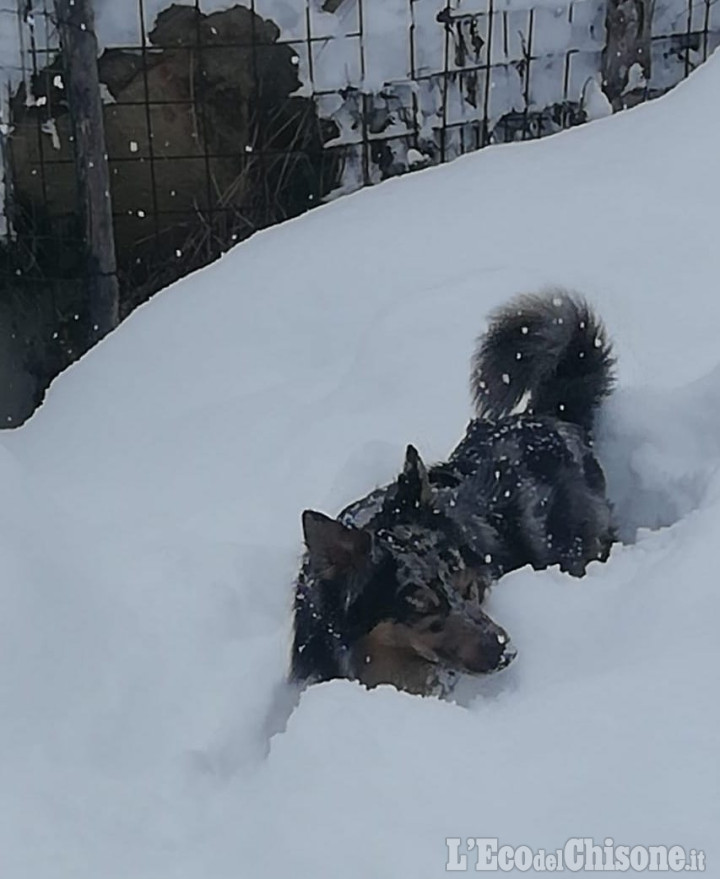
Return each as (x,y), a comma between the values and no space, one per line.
(391,591)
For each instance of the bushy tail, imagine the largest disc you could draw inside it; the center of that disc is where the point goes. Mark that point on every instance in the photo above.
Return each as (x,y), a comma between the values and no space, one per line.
(545,354)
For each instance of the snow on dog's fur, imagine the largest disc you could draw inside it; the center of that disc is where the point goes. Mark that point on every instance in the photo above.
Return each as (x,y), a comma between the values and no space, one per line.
(391,590)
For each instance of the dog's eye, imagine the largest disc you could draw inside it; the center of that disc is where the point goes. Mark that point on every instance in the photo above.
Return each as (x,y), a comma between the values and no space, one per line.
(435,627)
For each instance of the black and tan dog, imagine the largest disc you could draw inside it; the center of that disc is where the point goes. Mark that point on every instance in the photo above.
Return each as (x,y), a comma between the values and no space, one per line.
(391,590)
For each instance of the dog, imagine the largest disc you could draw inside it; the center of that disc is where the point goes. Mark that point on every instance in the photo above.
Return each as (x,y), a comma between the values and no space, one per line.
(391,590)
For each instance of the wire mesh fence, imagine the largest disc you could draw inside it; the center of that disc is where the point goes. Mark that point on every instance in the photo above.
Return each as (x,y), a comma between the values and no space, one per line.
(221,120)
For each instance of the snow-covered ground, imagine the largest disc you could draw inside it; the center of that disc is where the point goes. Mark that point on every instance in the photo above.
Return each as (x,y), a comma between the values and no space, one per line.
(150,534)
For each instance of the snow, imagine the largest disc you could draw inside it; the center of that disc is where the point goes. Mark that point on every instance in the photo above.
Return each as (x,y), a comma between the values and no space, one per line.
(150,534)
(595,102)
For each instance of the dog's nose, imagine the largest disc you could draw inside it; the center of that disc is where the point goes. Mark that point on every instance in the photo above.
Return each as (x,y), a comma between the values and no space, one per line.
(509,653)
(492,654)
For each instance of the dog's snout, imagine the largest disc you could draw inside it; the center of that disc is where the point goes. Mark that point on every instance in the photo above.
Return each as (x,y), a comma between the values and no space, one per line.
(477,644)
(494,649)
(493,652)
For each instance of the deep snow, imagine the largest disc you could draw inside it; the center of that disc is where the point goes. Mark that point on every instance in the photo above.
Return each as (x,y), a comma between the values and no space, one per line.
(150,534)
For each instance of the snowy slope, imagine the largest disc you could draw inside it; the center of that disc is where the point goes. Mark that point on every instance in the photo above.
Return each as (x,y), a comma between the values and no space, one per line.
(150,534)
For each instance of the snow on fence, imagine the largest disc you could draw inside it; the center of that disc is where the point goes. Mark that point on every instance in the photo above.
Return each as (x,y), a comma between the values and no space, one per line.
(222,119)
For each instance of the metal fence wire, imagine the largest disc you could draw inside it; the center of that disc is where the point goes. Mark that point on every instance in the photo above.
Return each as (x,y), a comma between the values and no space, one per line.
(223,119)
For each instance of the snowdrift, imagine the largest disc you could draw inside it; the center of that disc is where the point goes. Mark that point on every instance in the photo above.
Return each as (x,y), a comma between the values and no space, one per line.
(150,534)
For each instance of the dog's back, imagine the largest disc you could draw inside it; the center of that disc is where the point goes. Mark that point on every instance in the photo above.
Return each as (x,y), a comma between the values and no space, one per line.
(541,490)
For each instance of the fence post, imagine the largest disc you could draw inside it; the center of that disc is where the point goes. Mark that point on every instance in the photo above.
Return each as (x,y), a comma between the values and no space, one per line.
(76,27)
(628,26)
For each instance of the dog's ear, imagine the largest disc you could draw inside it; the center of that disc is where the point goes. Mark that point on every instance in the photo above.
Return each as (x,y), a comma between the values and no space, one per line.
(414,487)
(334,548)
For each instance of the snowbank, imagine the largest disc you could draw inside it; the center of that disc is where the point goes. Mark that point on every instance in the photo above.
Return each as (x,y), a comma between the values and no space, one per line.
(150,535)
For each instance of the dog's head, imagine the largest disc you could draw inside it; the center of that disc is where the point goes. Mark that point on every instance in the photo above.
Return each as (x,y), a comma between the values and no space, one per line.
(405,595)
